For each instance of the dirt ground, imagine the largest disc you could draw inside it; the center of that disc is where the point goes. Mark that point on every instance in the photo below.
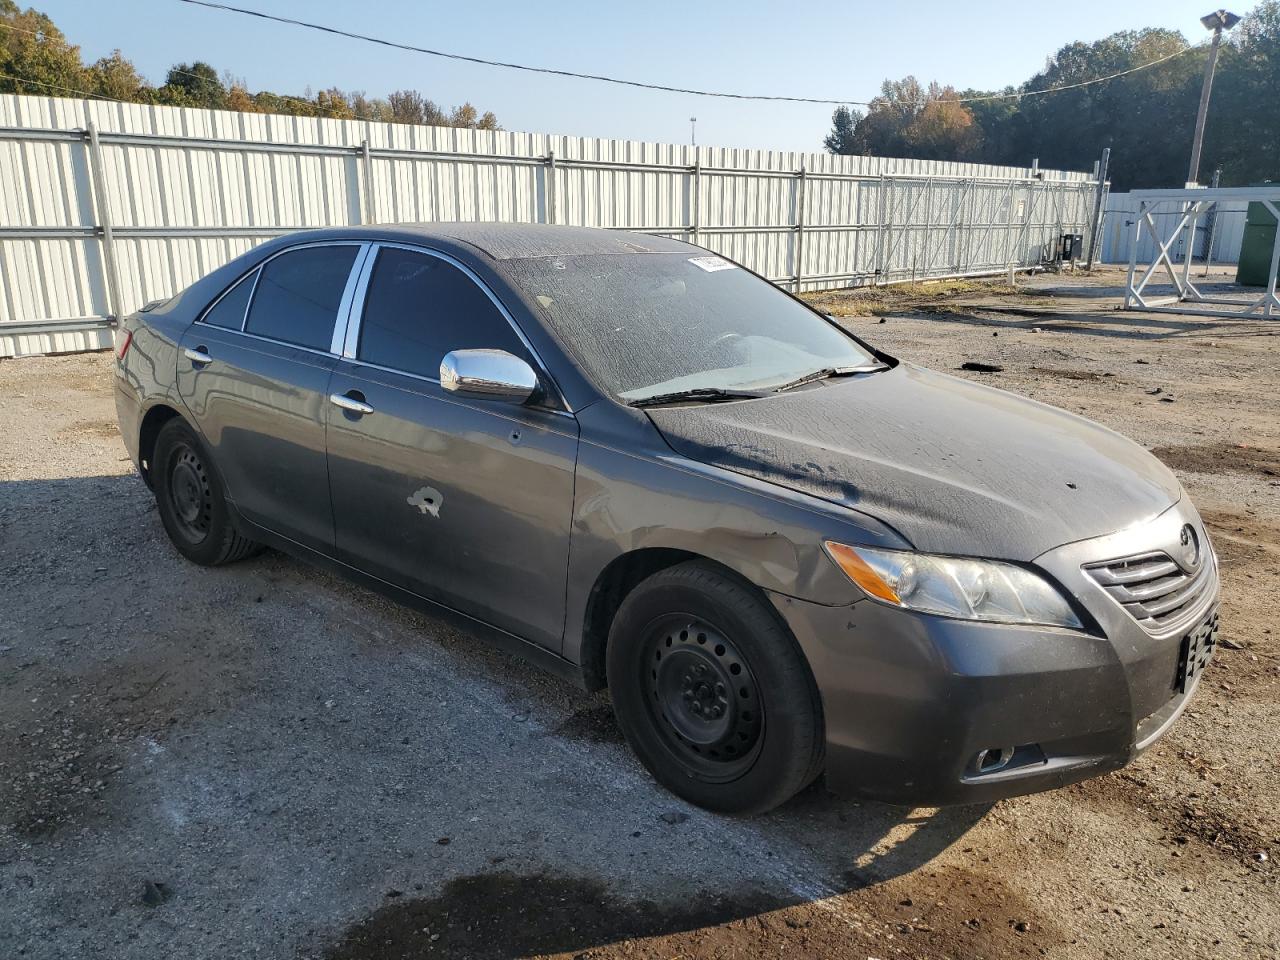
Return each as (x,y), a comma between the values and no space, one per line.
(264,761)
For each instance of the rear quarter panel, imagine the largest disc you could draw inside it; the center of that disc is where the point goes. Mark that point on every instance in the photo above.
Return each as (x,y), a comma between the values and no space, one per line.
(145,377)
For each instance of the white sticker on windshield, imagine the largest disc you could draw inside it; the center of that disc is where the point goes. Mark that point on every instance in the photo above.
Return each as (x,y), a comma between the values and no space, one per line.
(712,264)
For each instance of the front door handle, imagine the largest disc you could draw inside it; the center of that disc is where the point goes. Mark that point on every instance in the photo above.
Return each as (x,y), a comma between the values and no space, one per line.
(198,355)
(352,400)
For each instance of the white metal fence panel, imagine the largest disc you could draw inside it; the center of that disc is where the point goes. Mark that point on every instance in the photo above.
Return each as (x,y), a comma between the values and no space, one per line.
(105,206)
(1226,227)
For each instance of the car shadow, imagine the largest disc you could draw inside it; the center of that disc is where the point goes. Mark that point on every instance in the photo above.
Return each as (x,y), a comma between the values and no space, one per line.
(812,851)
(218,697)
(1094,310)
(1158,286)
(1133,325)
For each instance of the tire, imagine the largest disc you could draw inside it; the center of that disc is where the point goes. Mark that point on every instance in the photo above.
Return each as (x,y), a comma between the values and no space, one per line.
(712,691)
(191,501)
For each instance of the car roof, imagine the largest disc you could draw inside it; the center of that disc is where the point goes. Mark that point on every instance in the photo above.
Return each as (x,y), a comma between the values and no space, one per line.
(516,241)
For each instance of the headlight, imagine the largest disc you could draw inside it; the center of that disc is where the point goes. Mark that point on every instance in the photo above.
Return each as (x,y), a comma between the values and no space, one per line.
(954,586)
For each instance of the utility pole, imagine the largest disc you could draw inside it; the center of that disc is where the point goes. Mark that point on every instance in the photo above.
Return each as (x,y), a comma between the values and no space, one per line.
(1218,21)
(693,131)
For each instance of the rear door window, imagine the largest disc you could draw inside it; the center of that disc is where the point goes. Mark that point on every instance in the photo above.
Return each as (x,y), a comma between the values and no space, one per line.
(229,311)
(298,295)
(419,307)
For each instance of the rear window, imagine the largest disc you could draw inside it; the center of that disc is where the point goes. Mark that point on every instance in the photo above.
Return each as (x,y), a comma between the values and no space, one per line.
(647,324)
(298,295)
(229,311)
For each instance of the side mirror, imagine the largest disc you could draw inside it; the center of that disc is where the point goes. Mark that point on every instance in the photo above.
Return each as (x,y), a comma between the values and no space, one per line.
(488,375)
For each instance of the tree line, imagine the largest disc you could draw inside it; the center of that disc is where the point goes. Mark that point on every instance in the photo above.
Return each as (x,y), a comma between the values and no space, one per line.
(35,58)
(1146,117)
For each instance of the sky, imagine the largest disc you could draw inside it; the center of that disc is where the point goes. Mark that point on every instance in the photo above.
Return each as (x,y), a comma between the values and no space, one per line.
(813,48)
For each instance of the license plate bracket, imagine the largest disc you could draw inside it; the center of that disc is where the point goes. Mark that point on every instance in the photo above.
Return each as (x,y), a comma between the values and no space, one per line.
(1195,652)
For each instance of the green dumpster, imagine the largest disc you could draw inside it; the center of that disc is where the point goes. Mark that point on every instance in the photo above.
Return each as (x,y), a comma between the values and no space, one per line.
(1256,247)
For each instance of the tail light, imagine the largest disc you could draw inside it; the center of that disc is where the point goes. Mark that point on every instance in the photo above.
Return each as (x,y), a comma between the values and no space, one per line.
(124,340)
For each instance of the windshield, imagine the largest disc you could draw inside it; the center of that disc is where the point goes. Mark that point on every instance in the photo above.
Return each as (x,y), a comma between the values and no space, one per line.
(643,325)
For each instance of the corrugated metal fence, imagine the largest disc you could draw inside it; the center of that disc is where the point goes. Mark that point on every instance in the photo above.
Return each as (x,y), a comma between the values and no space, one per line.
(1226,227)
(105,206)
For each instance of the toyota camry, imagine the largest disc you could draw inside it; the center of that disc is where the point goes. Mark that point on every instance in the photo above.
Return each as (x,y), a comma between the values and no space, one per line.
(784,552)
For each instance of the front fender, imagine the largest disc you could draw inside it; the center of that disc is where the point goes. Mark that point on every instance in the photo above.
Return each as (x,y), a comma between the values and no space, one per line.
(627,501)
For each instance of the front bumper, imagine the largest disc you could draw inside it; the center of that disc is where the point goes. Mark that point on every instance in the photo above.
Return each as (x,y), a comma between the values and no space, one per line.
(912,701)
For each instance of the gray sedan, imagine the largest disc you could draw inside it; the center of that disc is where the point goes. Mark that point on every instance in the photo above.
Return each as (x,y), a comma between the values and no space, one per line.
(642,466)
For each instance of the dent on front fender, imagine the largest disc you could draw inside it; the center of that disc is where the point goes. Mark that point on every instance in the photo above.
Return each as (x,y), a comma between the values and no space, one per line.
(626,502)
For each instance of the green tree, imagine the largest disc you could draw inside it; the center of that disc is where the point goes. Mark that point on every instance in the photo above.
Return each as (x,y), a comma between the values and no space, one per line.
(264,101)
(194,85)
(35,56)
(333,103)
(1243,132)
(908,119)
(467,116)
(842,138)
(994,116)
(1146,117)
(116,78)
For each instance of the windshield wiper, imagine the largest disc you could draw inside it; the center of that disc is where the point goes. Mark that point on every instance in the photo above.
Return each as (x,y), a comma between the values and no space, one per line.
(702,394)
(828,372)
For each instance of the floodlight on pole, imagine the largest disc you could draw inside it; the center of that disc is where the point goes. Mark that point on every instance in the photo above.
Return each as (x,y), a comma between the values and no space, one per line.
(1218,21)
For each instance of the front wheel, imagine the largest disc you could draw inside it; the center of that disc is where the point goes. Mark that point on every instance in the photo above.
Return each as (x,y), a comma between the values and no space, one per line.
(191,501)
(712,692)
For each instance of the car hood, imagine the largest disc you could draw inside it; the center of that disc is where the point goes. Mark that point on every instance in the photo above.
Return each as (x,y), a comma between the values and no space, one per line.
(956,467)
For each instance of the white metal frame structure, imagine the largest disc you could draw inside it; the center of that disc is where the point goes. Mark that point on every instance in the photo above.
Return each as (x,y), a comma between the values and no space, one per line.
(1191,205)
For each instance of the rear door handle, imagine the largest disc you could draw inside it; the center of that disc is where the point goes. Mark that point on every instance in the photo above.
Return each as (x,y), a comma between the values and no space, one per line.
(352,400)
(198,355)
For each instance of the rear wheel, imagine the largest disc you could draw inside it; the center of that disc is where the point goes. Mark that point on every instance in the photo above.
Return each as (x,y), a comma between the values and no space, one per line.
(712,692)
(190,498)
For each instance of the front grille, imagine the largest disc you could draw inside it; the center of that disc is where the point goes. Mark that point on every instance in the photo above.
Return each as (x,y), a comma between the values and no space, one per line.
(1153,589)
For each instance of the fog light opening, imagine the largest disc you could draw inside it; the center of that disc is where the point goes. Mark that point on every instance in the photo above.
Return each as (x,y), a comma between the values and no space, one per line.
(993,759)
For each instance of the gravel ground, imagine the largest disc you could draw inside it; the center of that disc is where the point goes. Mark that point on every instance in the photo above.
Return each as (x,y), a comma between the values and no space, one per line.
(264,761)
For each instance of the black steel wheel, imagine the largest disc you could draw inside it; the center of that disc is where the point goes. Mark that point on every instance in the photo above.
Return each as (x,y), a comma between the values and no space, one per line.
(712,691)
(191,501)
(703,697)
(190,493)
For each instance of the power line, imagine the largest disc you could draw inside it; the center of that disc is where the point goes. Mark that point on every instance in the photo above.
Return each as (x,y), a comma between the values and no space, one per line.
(649,86)
(567,73)
(1074,86)
(55,86)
